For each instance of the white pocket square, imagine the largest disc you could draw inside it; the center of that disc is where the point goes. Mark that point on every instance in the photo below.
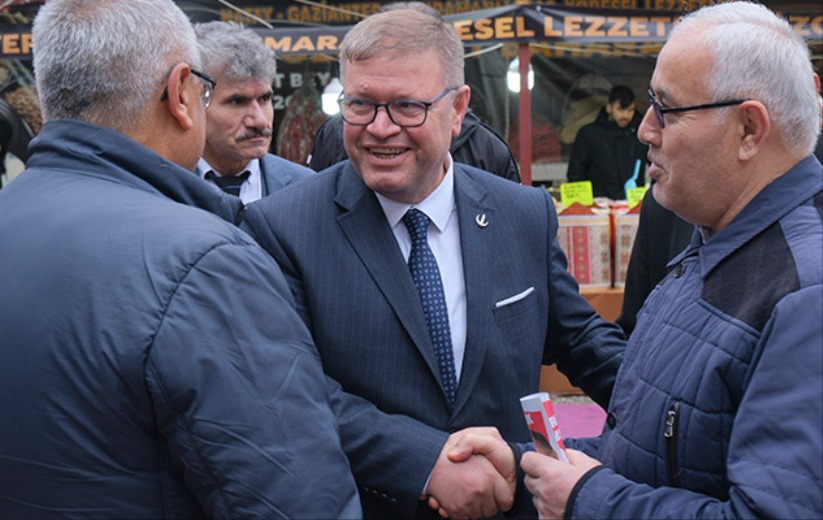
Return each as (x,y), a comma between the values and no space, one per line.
(515,298)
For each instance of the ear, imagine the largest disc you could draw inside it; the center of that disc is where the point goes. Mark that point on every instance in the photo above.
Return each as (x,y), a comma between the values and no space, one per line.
(460,105)
(756,126)
(181,100)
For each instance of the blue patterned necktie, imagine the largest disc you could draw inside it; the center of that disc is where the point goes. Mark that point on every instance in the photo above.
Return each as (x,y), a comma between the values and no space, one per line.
(426,276)
(229,184)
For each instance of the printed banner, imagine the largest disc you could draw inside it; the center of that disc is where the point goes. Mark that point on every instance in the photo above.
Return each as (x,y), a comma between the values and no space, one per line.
(492,26)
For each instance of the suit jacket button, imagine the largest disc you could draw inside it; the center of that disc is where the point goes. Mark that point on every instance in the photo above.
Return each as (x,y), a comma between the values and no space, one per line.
(611,419)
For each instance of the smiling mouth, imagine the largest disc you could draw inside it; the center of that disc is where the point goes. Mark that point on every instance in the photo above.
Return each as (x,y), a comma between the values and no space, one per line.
(386,153)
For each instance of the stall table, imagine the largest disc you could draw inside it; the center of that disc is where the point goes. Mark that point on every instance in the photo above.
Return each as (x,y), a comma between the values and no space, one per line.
(607,303)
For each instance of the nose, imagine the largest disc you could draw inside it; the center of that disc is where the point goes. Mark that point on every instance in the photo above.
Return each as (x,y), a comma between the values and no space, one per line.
(382,126)
(257,116)
(649,131)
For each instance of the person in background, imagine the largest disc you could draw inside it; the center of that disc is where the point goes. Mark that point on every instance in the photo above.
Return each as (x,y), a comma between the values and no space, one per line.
(439,289)
(240,118)
(716,412)
(152,362)
(661,234)
(477,144)
(607,152)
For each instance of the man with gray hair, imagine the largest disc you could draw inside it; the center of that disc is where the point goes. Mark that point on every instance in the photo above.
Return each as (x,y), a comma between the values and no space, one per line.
(152,363)
(716,411)
(240,118)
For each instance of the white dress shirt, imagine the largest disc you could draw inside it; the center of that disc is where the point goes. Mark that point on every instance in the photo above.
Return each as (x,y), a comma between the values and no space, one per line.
(444,241)
(250,190)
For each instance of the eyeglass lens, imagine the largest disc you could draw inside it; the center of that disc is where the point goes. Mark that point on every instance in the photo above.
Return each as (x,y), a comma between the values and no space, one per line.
(655,105)
(405,113)
(401,113)
(208,85)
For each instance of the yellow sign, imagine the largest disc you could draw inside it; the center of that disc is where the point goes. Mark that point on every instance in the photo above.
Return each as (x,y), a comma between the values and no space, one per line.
(635,195)
(581,192)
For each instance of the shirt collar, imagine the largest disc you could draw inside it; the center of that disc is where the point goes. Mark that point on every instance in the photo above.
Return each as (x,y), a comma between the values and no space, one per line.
(437,206)
(253,168)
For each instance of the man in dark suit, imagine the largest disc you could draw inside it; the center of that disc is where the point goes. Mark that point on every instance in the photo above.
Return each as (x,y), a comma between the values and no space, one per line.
(344,236)
(240,116)
(477,144)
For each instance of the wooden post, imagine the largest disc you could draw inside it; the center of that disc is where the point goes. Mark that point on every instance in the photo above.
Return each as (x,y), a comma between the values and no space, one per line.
(525,116)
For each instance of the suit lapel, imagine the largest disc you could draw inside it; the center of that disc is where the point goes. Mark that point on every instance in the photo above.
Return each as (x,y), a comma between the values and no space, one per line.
(478,228)
(364,225)
(265,179)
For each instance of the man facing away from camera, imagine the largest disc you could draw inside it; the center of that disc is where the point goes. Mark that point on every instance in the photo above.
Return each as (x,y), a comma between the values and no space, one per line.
(140,377)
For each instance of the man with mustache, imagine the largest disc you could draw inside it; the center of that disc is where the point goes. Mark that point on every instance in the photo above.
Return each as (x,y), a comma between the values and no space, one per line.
(240,118)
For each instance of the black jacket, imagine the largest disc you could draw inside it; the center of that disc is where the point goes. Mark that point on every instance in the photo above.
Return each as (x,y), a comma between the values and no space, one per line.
(606,155)
(661,235)
(477,145)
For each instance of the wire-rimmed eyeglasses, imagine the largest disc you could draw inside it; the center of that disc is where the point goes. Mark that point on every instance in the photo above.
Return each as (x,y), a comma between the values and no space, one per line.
(408,113)
(660,109)
(208,85)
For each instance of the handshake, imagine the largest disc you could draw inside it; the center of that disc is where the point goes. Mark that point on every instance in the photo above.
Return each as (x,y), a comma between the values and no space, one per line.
(474,476)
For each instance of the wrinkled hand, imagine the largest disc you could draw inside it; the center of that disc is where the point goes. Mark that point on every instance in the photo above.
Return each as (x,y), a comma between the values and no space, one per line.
(551,481)
(472,485)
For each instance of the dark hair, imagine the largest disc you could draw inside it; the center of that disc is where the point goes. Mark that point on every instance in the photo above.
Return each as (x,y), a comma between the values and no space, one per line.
(623,94)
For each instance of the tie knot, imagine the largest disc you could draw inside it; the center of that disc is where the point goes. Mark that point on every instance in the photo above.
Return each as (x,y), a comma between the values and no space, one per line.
(417,223)
(229,184)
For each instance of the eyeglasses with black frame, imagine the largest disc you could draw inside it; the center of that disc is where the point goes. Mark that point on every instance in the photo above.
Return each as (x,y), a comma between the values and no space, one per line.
(660,109)
(208,85)
(407,113)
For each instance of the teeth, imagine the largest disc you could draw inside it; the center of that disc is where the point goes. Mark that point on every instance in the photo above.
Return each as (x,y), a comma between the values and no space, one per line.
(386,152)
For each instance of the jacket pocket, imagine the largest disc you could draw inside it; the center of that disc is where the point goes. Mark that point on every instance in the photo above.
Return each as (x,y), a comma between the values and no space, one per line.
(670,436)
(516,305)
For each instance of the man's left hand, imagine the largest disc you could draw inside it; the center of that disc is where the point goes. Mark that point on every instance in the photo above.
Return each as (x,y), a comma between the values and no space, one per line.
(551,481)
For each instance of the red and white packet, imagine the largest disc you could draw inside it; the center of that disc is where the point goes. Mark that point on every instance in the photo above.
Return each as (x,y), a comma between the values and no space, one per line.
(542,424)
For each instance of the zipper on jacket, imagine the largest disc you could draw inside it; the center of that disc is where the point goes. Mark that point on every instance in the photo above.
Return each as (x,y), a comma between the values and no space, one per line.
(670,434)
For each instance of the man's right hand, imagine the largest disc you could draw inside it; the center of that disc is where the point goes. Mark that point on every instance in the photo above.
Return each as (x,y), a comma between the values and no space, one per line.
(474,476)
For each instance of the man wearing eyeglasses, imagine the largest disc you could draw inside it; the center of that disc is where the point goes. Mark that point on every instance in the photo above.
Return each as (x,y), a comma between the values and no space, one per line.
(477,144)
(716,411)
(434,291)
(152,363)
(239,120)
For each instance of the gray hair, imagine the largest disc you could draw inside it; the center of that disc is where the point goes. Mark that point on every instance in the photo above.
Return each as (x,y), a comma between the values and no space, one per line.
(405,31)
(756,55)
(417,6)
(235,52)
(103,61)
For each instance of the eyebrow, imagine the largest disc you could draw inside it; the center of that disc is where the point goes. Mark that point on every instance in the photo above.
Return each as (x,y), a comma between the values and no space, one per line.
(661,94)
